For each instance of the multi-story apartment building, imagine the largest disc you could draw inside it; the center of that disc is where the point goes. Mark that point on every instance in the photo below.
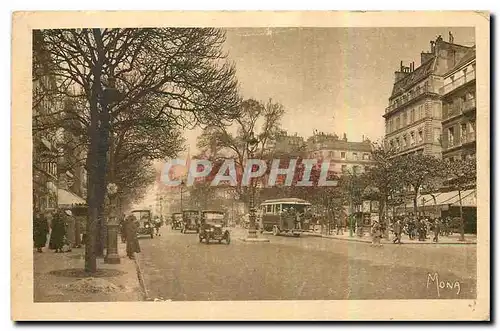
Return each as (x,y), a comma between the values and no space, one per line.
(459,109)
(286,143)
(413,117)
(344,156)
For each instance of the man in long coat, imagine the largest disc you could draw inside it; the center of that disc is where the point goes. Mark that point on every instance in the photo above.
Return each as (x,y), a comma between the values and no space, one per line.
(40,231)
(130,226)
(58,232)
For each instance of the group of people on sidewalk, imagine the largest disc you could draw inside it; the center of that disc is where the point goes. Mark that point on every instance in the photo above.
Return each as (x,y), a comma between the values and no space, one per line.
(413,227)
(128,231)
(60,226)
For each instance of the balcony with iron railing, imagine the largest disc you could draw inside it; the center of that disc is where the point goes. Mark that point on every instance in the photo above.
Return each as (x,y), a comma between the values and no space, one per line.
(450,111)
(458,82)
(432,87)
(467,138)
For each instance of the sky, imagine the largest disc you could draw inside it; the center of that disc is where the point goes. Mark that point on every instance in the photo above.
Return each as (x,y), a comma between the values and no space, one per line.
(334,80)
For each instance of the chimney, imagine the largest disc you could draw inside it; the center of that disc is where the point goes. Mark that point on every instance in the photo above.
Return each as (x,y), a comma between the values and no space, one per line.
(345,137)
(424,57)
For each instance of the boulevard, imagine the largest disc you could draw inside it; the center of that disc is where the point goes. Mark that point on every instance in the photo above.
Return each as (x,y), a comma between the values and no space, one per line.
(178,267)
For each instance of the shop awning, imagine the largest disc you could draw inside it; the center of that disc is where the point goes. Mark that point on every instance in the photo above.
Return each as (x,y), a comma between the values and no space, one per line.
(66,199)
(446,198)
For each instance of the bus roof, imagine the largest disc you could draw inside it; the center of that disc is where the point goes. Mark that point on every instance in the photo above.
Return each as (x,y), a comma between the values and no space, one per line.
(290,201)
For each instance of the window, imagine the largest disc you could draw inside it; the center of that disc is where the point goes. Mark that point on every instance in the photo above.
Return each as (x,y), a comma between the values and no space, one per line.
(412,138)
(405,141)
(355,156)
(420,112)
(392,144)
(342,155)
(344,168)
(405,119)
(398,145)
(420,135)
(269,208)
(412,116)
(437,135)
(366,156)
(463,131)
(451,137)
(397,122)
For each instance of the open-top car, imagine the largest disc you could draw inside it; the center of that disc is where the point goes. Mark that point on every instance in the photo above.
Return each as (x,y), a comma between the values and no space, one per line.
(213,227)
(190,220)
(176,221)
(146,226)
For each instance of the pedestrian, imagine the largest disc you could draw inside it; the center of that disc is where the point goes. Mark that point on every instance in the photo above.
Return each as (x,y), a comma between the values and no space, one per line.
(40,231)
(70,229)
(437,229)
(376,234)
(122,229)
(131,236)
(157,225)
(58,232)
(397,228)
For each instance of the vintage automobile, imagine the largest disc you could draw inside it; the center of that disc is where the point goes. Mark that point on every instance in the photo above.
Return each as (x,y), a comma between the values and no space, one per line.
(176,221)
(146,226)
(283,216)
(213,227)
(190,221)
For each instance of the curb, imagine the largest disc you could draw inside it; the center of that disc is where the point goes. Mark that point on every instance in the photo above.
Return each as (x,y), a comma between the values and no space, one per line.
(142,284)
(388,242)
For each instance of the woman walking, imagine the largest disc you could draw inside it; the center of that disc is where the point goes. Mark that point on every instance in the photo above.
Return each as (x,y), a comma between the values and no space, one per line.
(131,236)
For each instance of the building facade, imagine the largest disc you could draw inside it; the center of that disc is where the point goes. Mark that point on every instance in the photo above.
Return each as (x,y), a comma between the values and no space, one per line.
(413,117)
(459,109)
(344,156)
(44,153)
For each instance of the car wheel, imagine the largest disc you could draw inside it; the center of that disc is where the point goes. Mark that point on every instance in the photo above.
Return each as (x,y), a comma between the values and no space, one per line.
(228,239)
(220,241)
(276,231)
(152,236)
(201,238)
(207,241)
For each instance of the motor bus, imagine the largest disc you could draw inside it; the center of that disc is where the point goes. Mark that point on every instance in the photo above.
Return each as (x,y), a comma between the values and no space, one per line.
(283,216)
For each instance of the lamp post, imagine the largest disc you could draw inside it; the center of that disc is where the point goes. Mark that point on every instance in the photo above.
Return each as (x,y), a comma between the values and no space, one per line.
(181,186)
(112,256)
(252,231)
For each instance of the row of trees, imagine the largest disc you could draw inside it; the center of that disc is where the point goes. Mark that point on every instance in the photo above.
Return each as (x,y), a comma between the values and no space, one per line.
(127,95)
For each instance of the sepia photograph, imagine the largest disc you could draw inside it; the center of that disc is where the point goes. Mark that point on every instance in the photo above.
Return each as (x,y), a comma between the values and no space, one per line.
(293,161)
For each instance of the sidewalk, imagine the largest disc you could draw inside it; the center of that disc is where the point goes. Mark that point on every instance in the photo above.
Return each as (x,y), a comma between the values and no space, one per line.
(451,240)
(58,277)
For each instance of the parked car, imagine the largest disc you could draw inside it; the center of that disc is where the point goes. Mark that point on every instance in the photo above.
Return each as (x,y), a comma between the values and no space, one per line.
(214,227)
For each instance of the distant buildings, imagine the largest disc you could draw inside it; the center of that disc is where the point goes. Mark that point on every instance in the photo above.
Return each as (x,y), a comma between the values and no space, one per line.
(344,156)
(414,115)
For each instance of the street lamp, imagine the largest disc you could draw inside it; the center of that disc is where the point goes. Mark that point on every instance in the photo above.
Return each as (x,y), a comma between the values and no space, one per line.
(112,256)
(252,145)
(181,186)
